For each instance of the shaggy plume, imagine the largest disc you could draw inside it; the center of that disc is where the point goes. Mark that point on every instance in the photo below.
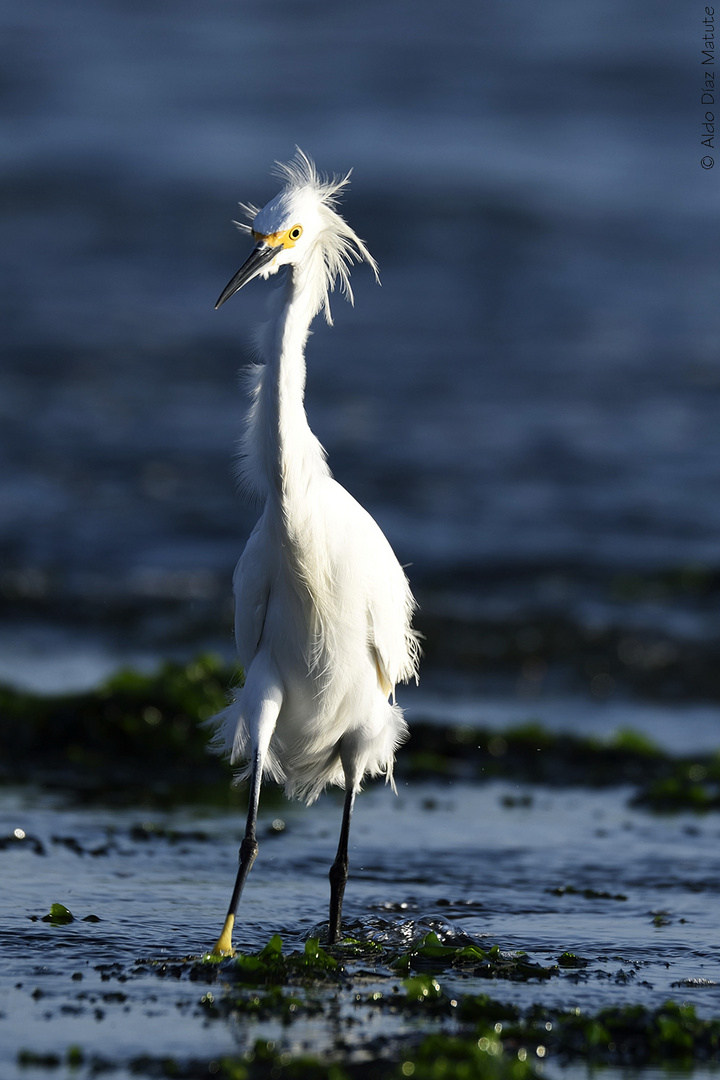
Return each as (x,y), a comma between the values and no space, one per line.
(337,246)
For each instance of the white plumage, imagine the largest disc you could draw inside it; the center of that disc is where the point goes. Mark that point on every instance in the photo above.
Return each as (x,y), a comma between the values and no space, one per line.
(323,608)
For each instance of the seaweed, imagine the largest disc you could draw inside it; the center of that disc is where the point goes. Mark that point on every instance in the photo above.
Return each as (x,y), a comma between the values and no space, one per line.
(430,954)
(445,1035)
(59,915)
(271,966)
(143,735)
(135,731)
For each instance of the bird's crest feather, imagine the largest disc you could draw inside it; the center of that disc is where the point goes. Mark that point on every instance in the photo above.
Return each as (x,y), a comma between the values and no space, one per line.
(337,246)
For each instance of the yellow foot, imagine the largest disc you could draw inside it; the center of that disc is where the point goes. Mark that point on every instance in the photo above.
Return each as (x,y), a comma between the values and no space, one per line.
(223,945)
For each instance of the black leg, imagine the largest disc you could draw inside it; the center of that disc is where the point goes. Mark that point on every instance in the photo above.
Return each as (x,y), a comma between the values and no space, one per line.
(248,851)
(339,869)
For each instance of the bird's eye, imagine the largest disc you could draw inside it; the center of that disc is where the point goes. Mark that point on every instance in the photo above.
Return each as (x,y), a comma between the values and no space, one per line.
(296,232)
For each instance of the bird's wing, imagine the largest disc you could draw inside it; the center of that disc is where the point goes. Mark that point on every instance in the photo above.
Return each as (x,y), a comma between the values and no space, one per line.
(389,604)
(384,681)
(251,586)
(391,639)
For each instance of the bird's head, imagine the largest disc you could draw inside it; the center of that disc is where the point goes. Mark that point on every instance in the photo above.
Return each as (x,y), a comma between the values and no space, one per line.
(300,227)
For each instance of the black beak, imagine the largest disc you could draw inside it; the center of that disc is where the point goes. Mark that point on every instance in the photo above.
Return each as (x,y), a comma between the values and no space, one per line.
(260,257)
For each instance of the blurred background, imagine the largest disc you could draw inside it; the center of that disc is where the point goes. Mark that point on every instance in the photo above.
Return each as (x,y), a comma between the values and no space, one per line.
(528,405)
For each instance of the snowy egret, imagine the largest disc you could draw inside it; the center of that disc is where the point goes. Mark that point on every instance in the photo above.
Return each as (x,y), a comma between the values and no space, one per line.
(323,609)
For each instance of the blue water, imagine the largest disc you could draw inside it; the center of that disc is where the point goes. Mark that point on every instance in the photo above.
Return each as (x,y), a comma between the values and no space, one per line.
(536,384)
(537,379)
(414,864)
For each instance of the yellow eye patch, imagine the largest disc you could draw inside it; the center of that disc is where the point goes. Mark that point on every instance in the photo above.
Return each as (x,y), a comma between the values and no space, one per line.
(285,239)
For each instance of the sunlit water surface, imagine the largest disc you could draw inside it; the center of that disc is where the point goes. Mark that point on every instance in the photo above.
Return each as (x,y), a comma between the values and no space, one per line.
(479,859)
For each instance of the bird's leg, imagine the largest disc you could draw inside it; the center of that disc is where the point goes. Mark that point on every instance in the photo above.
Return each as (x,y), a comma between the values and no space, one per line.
(339,869)
(248,851)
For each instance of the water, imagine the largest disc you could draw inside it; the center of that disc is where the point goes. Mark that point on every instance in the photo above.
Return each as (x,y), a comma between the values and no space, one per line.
(528,406)
(537,379)
(416,861)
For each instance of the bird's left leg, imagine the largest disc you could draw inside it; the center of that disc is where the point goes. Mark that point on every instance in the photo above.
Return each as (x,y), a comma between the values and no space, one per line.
(262,733)
(339,869)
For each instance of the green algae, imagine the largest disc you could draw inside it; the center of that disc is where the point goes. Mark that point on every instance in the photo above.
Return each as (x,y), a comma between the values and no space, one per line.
(435,1057)
(532,753)
(31,1059)
(274,1003)
(135,731)
(429,953)
(446,1057)
(630,1034)
(491,1039)
(634,1034)
(447,1034)
(58,915)
(570,960)
(589,894)
(143,734)
(688,785)
(272,967)
(663,782)
(423,988)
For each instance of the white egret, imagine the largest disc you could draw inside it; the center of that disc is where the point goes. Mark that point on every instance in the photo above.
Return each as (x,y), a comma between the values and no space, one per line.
(322,607)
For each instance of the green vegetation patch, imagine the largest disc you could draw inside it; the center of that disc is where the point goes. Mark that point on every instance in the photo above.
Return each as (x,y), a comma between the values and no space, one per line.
(532,754)
(635,1035)
(59,915)
(626,1035)
(135,731)
(687,785)
(445,1034)
(271,966)
(621,1035)
(143,734)
(430,954)
(490,1039)
(436,1057)
(589,894)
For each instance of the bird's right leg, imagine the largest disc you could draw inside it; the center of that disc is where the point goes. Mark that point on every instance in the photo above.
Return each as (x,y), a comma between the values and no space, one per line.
(349,755)
(263,730)
(248,851)
(339,870)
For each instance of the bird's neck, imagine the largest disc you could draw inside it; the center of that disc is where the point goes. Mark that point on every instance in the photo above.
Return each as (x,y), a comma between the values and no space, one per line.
(291,458)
